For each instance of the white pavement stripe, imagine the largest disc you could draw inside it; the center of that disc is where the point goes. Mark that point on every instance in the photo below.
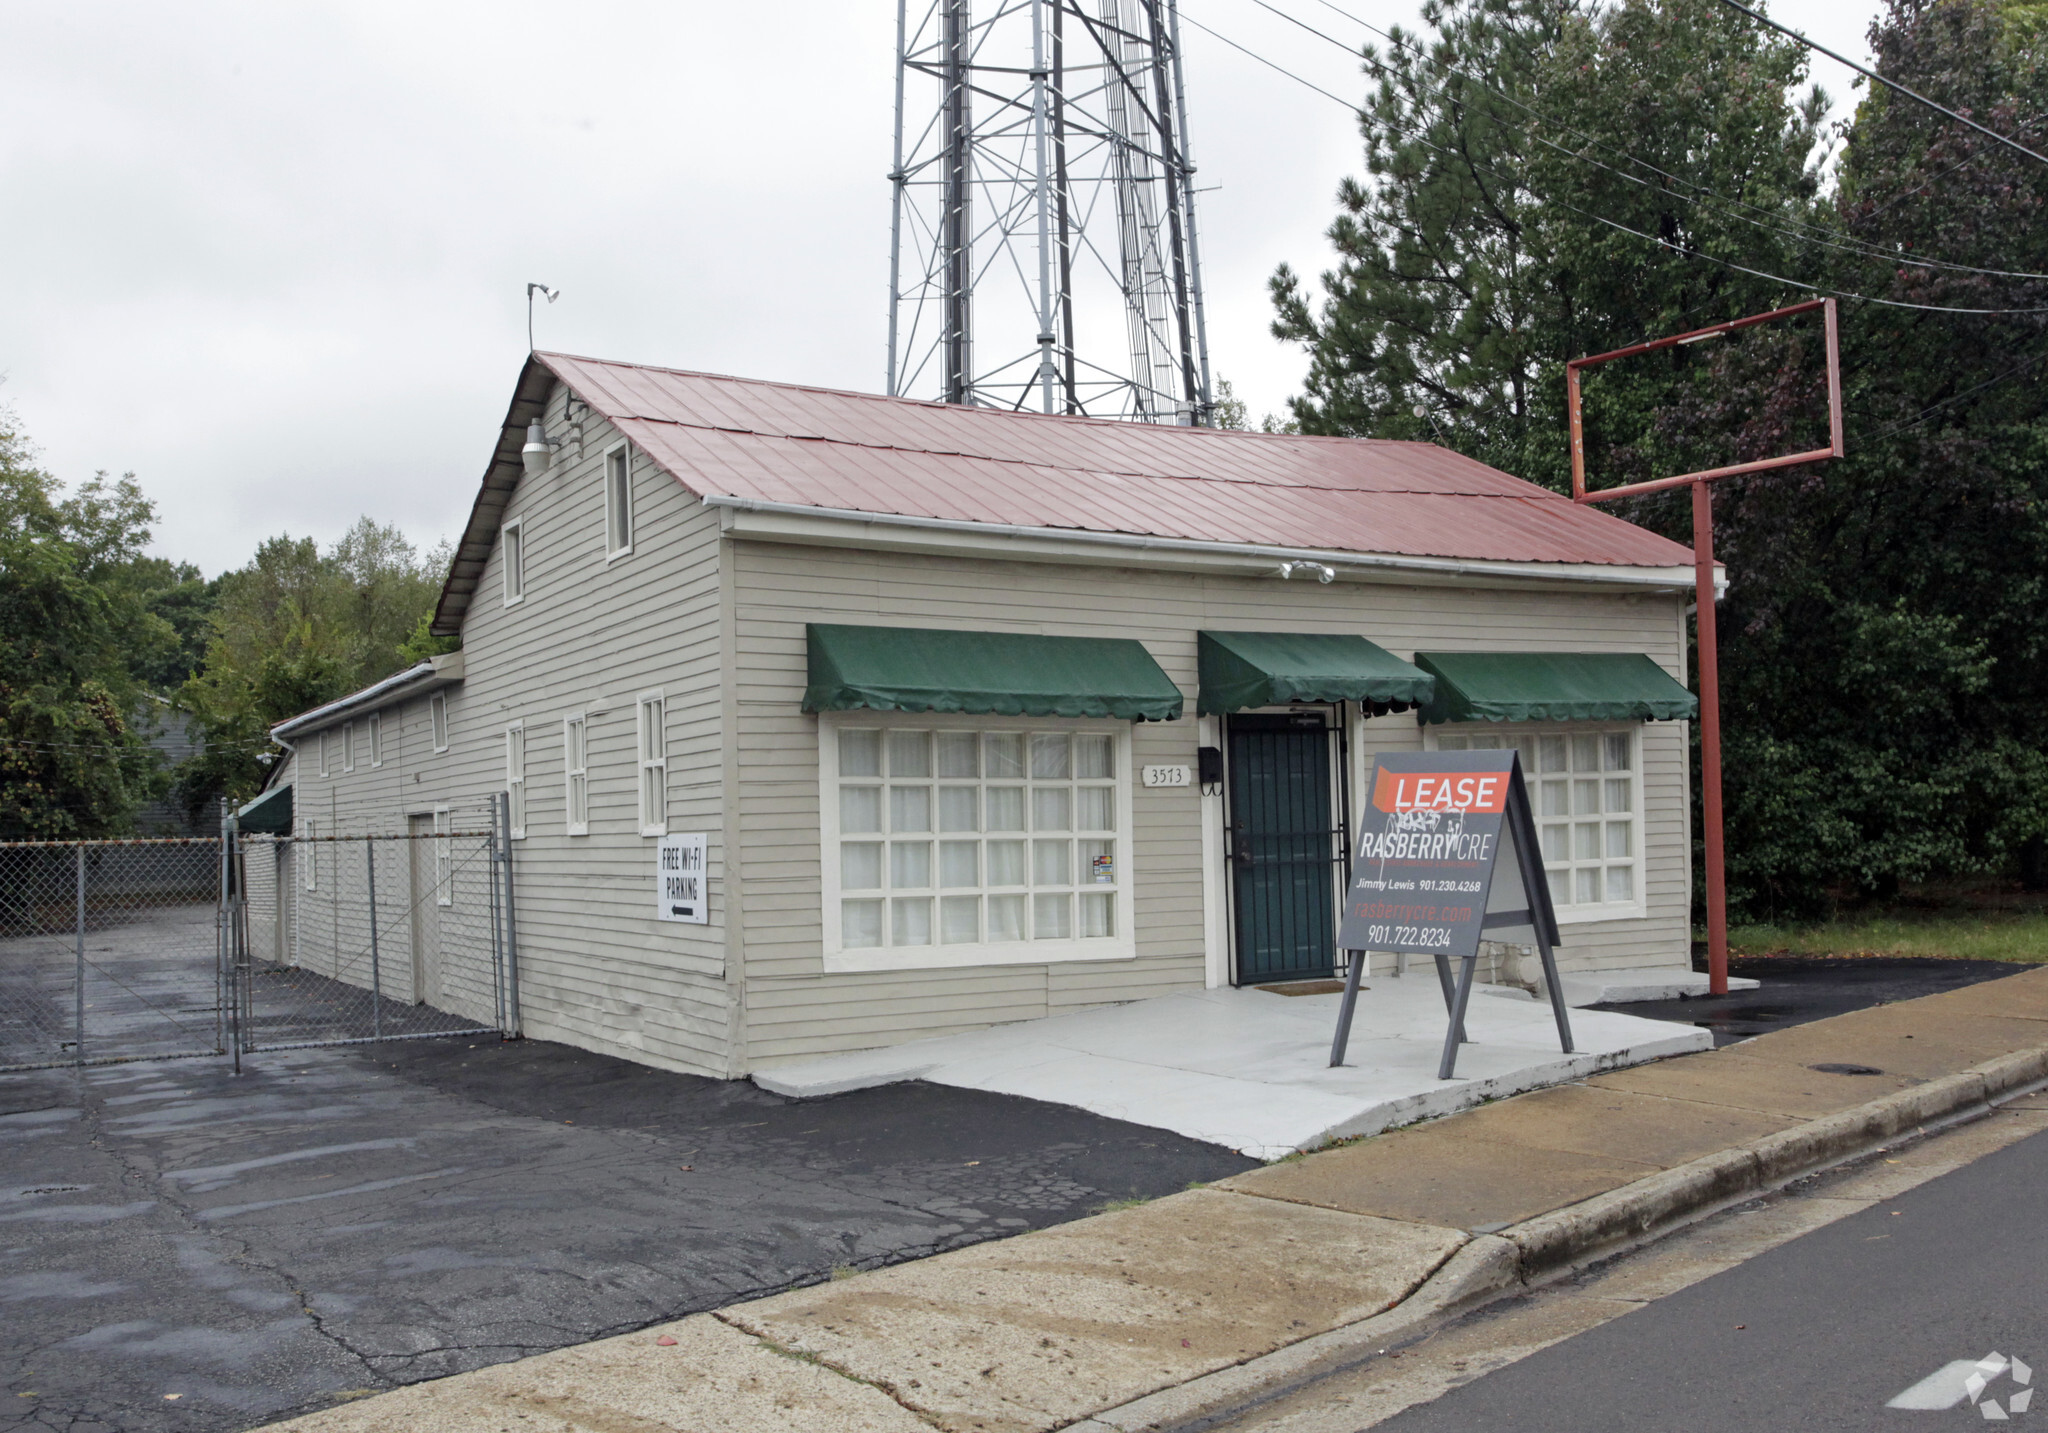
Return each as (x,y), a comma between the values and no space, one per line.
(1944,1388)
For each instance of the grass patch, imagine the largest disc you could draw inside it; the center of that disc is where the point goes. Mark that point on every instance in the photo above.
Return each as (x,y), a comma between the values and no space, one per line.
(2018,936)
(1116,1204)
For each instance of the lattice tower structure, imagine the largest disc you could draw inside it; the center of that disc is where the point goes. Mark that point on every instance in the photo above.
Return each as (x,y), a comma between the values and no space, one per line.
(1043,251)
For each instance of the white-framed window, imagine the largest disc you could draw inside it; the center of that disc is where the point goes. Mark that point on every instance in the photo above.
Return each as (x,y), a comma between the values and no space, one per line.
(515,778)
(444,859)
(969,841)
(324,760)
(618,501)
(437,713)
(512,537)
(348,746)
(309,859)
(1583,782)
(576,772)
(653,735)
(376,726)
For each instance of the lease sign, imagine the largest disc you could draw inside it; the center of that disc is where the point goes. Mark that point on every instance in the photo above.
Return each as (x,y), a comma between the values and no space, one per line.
(1423,867)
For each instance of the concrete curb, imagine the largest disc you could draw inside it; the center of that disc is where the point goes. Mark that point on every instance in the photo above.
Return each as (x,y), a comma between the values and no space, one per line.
(1553,1245)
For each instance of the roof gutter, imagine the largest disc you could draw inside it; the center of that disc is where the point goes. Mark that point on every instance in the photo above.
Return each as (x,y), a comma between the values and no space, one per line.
(1663,579)
(435,671)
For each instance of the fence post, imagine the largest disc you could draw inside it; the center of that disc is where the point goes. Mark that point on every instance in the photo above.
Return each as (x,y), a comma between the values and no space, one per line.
(78,994)
(240,996)
(504,823)
(376,976)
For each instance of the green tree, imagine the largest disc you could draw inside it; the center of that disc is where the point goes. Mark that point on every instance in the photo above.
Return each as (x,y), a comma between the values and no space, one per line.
(1886,648)
(71,763)
(293,629)
(1549,182)
(1470,263)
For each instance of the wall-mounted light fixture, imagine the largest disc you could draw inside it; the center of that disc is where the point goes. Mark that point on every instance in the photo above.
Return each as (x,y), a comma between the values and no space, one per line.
(539,454)
(1322,570)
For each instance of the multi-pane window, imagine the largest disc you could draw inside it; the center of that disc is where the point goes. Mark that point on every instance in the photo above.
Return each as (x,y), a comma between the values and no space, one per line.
(1583,786)
(618,502)
(653,766)
(984,837)
(308,856)
(437,710)
(515,778)
(514,542)
(576,773)
(376,725)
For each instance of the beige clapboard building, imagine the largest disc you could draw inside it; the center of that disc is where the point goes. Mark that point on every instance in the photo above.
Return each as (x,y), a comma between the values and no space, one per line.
(975,716)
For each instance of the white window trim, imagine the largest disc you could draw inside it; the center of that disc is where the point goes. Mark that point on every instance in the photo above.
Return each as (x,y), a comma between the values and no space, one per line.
(1606,911)
(309,873)
(444,859)
(437,720)
(322,738)
(515,779)
(581,723)
(375,724)
(348,746)
(512,534)
(641,762)
(611,553)
(1121,946)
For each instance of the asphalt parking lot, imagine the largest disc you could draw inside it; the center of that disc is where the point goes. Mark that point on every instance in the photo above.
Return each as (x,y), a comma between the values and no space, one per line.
(185,1249)
(1799,988)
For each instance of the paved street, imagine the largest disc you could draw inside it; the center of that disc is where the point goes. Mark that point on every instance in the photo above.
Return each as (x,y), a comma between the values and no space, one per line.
(345,1220)
(1818,1333)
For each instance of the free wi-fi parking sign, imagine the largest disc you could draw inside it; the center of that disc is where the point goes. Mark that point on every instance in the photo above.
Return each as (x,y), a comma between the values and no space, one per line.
(1447,856)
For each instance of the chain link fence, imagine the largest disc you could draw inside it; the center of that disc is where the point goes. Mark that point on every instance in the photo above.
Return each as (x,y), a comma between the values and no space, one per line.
(110,950)
(388,936)
(137,950)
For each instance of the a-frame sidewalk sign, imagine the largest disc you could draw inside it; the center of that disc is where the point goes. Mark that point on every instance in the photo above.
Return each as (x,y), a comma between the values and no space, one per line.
(1428,877)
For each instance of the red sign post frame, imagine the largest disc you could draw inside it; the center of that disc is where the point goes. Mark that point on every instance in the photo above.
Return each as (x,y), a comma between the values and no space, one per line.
(1703,574)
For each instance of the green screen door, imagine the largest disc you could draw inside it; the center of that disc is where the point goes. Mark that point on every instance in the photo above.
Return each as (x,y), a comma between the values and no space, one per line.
(1282,851)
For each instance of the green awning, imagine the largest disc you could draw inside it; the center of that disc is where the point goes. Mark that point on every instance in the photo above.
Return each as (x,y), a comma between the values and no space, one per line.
(909,669)
(1552,686)
(1241,670)
(269,814)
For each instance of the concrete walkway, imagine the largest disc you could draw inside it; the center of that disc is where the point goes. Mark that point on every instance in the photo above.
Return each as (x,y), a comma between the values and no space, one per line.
(1250,1070)
(1152,1317)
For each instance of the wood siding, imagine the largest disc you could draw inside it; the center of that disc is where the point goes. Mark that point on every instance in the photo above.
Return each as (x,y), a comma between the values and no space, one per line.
(597,969)
(795,1010)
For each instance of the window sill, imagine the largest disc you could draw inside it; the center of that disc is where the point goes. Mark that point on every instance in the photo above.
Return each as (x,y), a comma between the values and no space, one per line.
(1599,915)
(652,831)
(574,830)
(947,957)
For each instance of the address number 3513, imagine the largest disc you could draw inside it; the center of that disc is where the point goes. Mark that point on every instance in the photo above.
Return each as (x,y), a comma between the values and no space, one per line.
(1165,776)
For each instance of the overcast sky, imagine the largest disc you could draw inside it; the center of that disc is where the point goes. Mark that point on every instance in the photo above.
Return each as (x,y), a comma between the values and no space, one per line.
(271,257)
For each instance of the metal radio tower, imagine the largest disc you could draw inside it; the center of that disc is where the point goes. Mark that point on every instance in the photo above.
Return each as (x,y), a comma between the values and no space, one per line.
(1042,250)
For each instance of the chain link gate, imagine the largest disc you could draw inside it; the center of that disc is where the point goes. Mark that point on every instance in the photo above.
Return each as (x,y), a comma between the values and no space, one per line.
(151,949)
(348,939)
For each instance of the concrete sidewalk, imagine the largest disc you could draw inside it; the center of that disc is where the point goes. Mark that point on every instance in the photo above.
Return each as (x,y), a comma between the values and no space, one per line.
(1191,1306)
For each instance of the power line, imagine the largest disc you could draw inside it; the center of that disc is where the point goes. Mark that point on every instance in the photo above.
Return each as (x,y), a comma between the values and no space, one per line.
(1612,224)
(1933,408)
(1812,234)
(1890,84)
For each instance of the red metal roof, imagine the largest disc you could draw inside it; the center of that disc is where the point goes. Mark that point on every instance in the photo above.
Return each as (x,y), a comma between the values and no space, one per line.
(817,447)
(782,443)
